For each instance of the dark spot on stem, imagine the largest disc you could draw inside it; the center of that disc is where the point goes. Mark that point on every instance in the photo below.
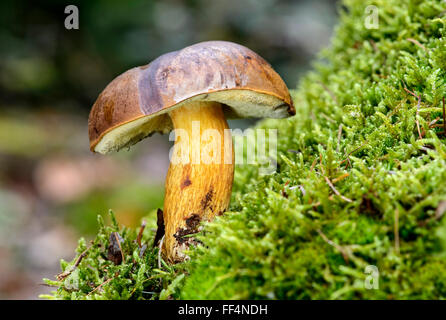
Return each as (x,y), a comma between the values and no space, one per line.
(186,183)
(206,201)
(192,224)
(193,221)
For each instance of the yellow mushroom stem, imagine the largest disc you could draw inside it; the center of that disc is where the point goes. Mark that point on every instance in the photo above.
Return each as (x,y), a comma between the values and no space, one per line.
(200,175)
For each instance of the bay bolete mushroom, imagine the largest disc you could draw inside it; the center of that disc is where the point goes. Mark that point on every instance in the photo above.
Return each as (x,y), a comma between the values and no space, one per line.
(192,90)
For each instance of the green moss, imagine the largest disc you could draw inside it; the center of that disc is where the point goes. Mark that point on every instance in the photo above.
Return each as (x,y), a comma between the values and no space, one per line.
(281,241)
(93,274)
(279,247)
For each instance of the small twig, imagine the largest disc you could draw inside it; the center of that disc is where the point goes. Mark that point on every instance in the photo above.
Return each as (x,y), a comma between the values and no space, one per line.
(336,191)
(351,152)
(141,230)
(100,286)
(159,257)
(65,274)
(341,177)
(417,43)
(159,252)
(348,163)
(408,91)
(397,232)
(334,244)
(313,164)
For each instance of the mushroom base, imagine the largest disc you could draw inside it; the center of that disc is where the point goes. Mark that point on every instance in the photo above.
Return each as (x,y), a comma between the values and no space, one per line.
(200,176)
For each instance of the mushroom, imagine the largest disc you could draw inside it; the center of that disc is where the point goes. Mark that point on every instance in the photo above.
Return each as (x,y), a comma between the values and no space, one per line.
(192,91)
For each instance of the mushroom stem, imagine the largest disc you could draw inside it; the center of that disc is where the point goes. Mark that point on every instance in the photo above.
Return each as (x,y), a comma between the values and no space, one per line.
(200,175)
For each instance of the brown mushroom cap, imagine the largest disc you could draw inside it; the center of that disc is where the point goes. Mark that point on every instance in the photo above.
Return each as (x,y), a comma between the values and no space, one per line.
(135,104)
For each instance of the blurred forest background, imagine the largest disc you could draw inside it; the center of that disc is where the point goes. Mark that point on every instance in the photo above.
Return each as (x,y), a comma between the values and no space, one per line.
(51,186)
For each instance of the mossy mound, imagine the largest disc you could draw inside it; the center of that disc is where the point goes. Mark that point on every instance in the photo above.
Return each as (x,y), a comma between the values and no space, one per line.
(361,180)
(292,235)
(119,264)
